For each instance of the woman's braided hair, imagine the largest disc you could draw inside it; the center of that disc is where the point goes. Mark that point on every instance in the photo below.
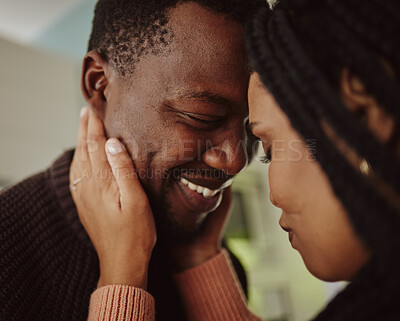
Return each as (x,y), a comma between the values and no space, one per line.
(299,50)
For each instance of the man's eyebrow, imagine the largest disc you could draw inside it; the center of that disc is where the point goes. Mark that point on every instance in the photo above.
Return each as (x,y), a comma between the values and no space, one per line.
(207,96)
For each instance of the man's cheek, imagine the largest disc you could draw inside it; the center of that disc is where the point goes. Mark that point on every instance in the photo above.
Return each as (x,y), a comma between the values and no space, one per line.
(150,184)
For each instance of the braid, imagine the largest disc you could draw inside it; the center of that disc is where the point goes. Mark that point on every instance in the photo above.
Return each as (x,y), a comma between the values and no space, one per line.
(288,72)
(381,159)
(381,85)
(304,77)
(374,27)
(307,122)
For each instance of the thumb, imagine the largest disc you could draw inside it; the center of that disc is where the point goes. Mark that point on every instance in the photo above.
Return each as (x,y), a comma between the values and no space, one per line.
(123,169)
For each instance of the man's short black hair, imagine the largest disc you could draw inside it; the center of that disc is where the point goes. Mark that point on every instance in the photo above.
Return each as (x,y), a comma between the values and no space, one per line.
(125,30)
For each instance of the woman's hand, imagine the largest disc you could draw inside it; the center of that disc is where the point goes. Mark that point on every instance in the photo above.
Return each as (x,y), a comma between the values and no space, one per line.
(112,205)
(208,243)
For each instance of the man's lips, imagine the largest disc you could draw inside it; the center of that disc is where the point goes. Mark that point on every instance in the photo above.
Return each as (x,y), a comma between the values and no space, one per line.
(210,183)
(206,187)
(201,198)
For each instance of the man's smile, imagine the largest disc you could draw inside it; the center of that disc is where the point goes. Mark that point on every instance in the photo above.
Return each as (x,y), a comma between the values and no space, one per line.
(201,198)
(202,190)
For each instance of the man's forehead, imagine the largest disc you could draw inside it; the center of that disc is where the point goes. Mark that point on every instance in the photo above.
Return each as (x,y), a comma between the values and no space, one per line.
(193,23)
(203,96)
(204,62)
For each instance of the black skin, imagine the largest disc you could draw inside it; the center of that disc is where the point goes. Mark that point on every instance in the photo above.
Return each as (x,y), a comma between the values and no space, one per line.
(155,111)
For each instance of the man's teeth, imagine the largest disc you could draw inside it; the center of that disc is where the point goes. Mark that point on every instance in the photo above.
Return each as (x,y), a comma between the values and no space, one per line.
(206,192)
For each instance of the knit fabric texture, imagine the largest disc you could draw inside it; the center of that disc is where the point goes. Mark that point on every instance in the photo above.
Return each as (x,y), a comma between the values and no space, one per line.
(212,291)
(121,303)
(48,265)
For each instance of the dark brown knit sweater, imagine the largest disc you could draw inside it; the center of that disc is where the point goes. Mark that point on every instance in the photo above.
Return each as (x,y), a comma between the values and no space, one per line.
(48,266)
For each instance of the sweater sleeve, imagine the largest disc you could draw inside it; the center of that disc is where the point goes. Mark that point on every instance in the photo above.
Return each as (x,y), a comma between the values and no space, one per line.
(211,291)
(121,303)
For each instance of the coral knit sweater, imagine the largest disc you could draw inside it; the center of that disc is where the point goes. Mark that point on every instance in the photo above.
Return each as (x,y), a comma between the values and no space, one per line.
(210,292)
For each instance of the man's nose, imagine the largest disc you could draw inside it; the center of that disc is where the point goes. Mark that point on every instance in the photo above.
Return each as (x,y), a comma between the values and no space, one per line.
(229,156)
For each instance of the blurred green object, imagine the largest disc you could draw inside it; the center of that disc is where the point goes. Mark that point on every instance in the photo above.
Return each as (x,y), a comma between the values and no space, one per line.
(280,287)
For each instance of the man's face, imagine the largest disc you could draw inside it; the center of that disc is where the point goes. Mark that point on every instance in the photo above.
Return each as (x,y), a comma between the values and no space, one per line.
(181,115)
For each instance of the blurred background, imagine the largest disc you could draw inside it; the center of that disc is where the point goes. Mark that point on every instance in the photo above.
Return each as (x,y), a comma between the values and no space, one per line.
(42,43)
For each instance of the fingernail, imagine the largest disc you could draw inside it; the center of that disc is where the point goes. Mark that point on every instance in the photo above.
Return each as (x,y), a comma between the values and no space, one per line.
(83,111)
(114,147)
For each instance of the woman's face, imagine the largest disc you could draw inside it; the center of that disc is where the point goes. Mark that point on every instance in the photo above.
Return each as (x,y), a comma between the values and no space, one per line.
(314,217)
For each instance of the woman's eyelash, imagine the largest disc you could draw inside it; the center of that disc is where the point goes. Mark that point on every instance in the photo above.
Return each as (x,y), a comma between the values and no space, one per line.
(267,158)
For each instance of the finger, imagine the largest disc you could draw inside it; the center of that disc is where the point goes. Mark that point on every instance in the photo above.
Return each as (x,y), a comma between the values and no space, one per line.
(124,172)
(80,166)
(95,144)
(81,152)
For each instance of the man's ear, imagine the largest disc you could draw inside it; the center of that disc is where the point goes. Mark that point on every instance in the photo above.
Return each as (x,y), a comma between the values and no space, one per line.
(361,103)
(95,82)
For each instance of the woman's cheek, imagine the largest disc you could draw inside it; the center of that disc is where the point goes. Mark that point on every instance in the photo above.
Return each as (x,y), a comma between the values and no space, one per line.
(275,182)
(283,185)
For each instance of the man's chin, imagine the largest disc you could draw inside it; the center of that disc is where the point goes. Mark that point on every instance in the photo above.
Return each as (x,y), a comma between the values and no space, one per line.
(179,228)
(177,216)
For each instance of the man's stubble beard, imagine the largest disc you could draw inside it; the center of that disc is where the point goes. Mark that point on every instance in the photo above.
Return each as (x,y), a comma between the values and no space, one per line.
(169,229)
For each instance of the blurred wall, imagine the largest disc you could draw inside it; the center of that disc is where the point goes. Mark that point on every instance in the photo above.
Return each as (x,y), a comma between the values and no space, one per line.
(39,106)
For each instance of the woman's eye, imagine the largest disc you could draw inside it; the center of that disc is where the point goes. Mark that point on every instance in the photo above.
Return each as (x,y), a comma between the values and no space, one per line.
(267,158)
(250,135)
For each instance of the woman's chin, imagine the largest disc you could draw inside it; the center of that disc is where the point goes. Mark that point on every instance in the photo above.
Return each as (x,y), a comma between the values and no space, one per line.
(330,272)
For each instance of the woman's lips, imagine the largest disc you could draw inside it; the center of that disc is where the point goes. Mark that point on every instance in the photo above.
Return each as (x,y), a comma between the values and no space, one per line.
(286,229)
(290,237)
